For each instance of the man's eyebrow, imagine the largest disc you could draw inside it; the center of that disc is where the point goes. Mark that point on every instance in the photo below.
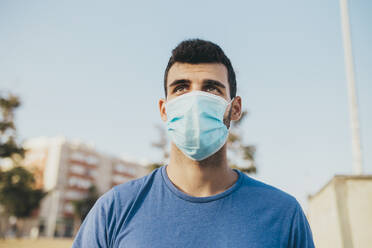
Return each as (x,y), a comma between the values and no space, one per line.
(179,81)
(213,82)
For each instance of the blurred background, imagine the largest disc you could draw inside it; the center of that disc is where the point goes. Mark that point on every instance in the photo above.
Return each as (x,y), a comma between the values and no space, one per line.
(80,82)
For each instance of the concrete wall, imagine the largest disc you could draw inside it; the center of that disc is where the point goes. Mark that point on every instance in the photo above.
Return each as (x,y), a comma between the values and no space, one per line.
(340,214)
(359,202)
(323,219)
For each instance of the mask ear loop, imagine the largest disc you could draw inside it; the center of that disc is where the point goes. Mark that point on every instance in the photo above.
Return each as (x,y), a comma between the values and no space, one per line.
(230,109)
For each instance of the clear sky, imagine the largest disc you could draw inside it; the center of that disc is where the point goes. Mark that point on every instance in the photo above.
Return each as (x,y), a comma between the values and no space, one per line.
(93,70)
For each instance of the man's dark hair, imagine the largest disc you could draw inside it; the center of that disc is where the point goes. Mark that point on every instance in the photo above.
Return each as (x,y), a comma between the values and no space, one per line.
(196,51)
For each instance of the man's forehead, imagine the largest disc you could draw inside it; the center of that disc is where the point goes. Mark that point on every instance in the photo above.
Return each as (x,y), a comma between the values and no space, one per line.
(214,71)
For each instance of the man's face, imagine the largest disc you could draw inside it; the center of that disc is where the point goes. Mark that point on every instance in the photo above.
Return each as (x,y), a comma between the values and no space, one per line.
(211,78)
(208,77)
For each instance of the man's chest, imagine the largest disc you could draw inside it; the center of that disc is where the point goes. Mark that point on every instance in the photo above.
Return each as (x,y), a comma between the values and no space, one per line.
(200,228)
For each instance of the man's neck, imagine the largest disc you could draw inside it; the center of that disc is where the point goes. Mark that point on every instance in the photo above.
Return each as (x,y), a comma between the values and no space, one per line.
(200,178)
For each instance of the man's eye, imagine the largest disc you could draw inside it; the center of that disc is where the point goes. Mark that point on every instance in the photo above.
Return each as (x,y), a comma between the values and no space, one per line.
(212,89)
(179,89)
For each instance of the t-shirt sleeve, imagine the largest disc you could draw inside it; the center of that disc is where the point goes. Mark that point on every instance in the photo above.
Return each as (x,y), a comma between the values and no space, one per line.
(301,235)
(98,226)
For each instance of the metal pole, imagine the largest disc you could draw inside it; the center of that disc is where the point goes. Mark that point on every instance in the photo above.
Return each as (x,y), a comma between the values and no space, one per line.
(353,106)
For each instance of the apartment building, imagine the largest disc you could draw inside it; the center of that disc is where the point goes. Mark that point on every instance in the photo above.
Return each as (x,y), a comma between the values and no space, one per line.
(66,169)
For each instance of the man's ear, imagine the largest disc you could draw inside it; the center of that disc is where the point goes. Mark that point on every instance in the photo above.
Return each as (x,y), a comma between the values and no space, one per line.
(163,112)
(236,109)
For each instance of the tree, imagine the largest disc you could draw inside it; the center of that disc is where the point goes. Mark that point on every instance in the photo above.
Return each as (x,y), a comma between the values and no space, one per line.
(235,145)
(244,153)
(18,195)
(162,145)
(8,145)
(83,206)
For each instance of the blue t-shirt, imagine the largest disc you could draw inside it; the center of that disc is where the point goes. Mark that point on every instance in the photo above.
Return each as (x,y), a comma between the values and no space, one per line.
(152,212)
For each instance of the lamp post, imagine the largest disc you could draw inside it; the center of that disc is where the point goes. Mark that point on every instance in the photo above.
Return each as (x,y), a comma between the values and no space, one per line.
(353,105)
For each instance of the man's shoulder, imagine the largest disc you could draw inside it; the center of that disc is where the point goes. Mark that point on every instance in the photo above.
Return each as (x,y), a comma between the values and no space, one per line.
(128,191)
(267,193)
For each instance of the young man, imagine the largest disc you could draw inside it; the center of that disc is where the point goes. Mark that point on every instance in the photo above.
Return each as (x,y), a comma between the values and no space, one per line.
(196,200)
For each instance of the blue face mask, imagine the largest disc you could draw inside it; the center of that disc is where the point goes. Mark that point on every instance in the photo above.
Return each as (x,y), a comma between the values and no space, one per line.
(195,123)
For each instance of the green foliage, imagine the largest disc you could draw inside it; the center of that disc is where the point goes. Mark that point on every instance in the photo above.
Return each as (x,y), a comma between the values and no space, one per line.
(162,145)
(154,166)
(244,153)
(17,193)
(8,146)
(248,170)
(8,104)
(83,206)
